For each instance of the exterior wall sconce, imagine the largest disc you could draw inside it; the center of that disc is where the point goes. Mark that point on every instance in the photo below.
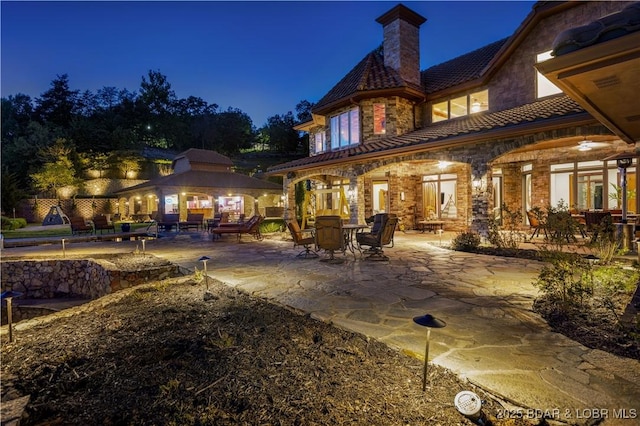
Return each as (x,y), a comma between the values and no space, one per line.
(479,185)
(402,196)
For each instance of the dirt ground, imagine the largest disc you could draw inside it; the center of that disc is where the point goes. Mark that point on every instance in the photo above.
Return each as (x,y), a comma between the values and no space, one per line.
(173,353)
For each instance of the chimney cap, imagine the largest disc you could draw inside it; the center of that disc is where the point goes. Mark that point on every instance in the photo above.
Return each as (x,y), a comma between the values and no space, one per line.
(401,12)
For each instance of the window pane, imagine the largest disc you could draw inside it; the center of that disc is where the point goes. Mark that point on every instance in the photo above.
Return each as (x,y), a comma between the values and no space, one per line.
(479,101)
(335,132)
(561,189)
(544,86)
(458,107)
(354,128)
(344,130)
(379,119)
(440,111)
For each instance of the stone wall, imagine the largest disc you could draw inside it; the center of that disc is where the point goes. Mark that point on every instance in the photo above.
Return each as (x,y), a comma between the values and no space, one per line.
(86,278)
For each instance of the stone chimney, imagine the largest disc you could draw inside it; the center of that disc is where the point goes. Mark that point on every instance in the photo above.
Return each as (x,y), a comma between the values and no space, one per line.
(401,30)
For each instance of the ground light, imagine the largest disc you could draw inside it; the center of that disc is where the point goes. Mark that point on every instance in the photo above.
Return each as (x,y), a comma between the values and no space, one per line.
(430,322)
(64,253)
(204,260)
(8,295)
(470,405)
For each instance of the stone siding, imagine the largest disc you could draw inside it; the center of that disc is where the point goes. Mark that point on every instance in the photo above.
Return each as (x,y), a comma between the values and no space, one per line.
(515,82)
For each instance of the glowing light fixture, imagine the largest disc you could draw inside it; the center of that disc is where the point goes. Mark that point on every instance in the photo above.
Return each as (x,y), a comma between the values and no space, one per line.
(584,145)
(443,164)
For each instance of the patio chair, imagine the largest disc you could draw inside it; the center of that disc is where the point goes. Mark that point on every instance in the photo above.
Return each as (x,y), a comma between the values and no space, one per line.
(596,222)
(330,237)
(300,240)
(79,226)
(101,223)
(376,242)
(535,224)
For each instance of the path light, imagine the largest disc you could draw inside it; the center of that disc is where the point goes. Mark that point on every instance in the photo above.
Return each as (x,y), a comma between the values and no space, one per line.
(8,295)
(470,405)
(144,247)
(64,253)
(204,259)
(430,322)
(440,231)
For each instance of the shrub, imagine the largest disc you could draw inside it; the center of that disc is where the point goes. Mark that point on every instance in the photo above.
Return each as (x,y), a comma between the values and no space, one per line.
(11,224)
(466,241)
(269,226)
(566,280)
(507,235)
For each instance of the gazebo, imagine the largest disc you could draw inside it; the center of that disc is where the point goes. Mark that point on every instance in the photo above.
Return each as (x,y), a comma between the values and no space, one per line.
(202,181)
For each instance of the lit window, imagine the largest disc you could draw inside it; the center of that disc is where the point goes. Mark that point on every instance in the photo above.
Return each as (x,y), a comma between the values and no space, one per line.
(544,87)
(460,106)
(479,101)
(379,119)
(345,129)
(320,140)
(440,112)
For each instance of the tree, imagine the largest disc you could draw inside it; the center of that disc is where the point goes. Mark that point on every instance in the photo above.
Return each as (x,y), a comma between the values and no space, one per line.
(303,111)
(232,131)
(281,134)
(11,192)
(20,155)
(59,104)
(57,171)
(17,113)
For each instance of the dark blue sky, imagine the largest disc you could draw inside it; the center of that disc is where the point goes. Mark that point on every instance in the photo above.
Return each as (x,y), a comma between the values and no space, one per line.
(261,57)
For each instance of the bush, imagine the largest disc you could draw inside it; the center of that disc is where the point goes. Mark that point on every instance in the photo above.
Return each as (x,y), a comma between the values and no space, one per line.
(566,280)
(466,241)
(11,224)
(269,226)
(507,235)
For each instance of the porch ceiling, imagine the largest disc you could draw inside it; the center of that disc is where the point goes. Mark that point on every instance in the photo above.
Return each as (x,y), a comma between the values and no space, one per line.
(604,80)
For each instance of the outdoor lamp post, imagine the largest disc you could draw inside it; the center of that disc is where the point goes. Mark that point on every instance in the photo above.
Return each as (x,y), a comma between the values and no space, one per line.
(204,259)
(8,295)
(64,252)
(430,322)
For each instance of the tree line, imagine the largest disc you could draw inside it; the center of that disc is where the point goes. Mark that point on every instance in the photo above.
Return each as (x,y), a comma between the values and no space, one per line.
(89,128)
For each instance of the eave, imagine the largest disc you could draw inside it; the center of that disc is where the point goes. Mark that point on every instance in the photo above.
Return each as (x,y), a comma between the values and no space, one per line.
(406,92)
(604,79)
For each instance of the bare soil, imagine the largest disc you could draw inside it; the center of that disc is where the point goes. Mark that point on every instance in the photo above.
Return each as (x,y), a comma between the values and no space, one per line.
(173,353)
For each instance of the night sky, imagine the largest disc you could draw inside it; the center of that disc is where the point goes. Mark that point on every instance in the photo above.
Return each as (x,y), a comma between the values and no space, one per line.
(261,57)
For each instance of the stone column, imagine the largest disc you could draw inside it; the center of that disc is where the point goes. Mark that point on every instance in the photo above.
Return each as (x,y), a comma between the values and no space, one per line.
(480,198)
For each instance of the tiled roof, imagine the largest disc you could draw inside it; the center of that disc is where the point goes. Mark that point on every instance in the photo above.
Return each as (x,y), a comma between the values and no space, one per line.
(477,124)
(459,70)
(195,155)
(369,74)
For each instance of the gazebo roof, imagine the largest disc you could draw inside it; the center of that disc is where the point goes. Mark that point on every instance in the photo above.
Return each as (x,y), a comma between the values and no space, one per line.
(206,181)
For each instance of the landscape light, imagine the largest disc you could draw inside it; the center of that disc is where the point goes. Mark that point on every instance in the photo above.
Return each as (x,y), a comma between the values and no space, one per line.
(430,322)
(8,295)
(204,259)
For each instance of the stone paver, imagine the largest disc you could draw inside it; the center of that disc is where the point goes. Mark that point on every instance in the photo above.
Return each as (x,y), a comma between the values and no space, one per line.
(492,337)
